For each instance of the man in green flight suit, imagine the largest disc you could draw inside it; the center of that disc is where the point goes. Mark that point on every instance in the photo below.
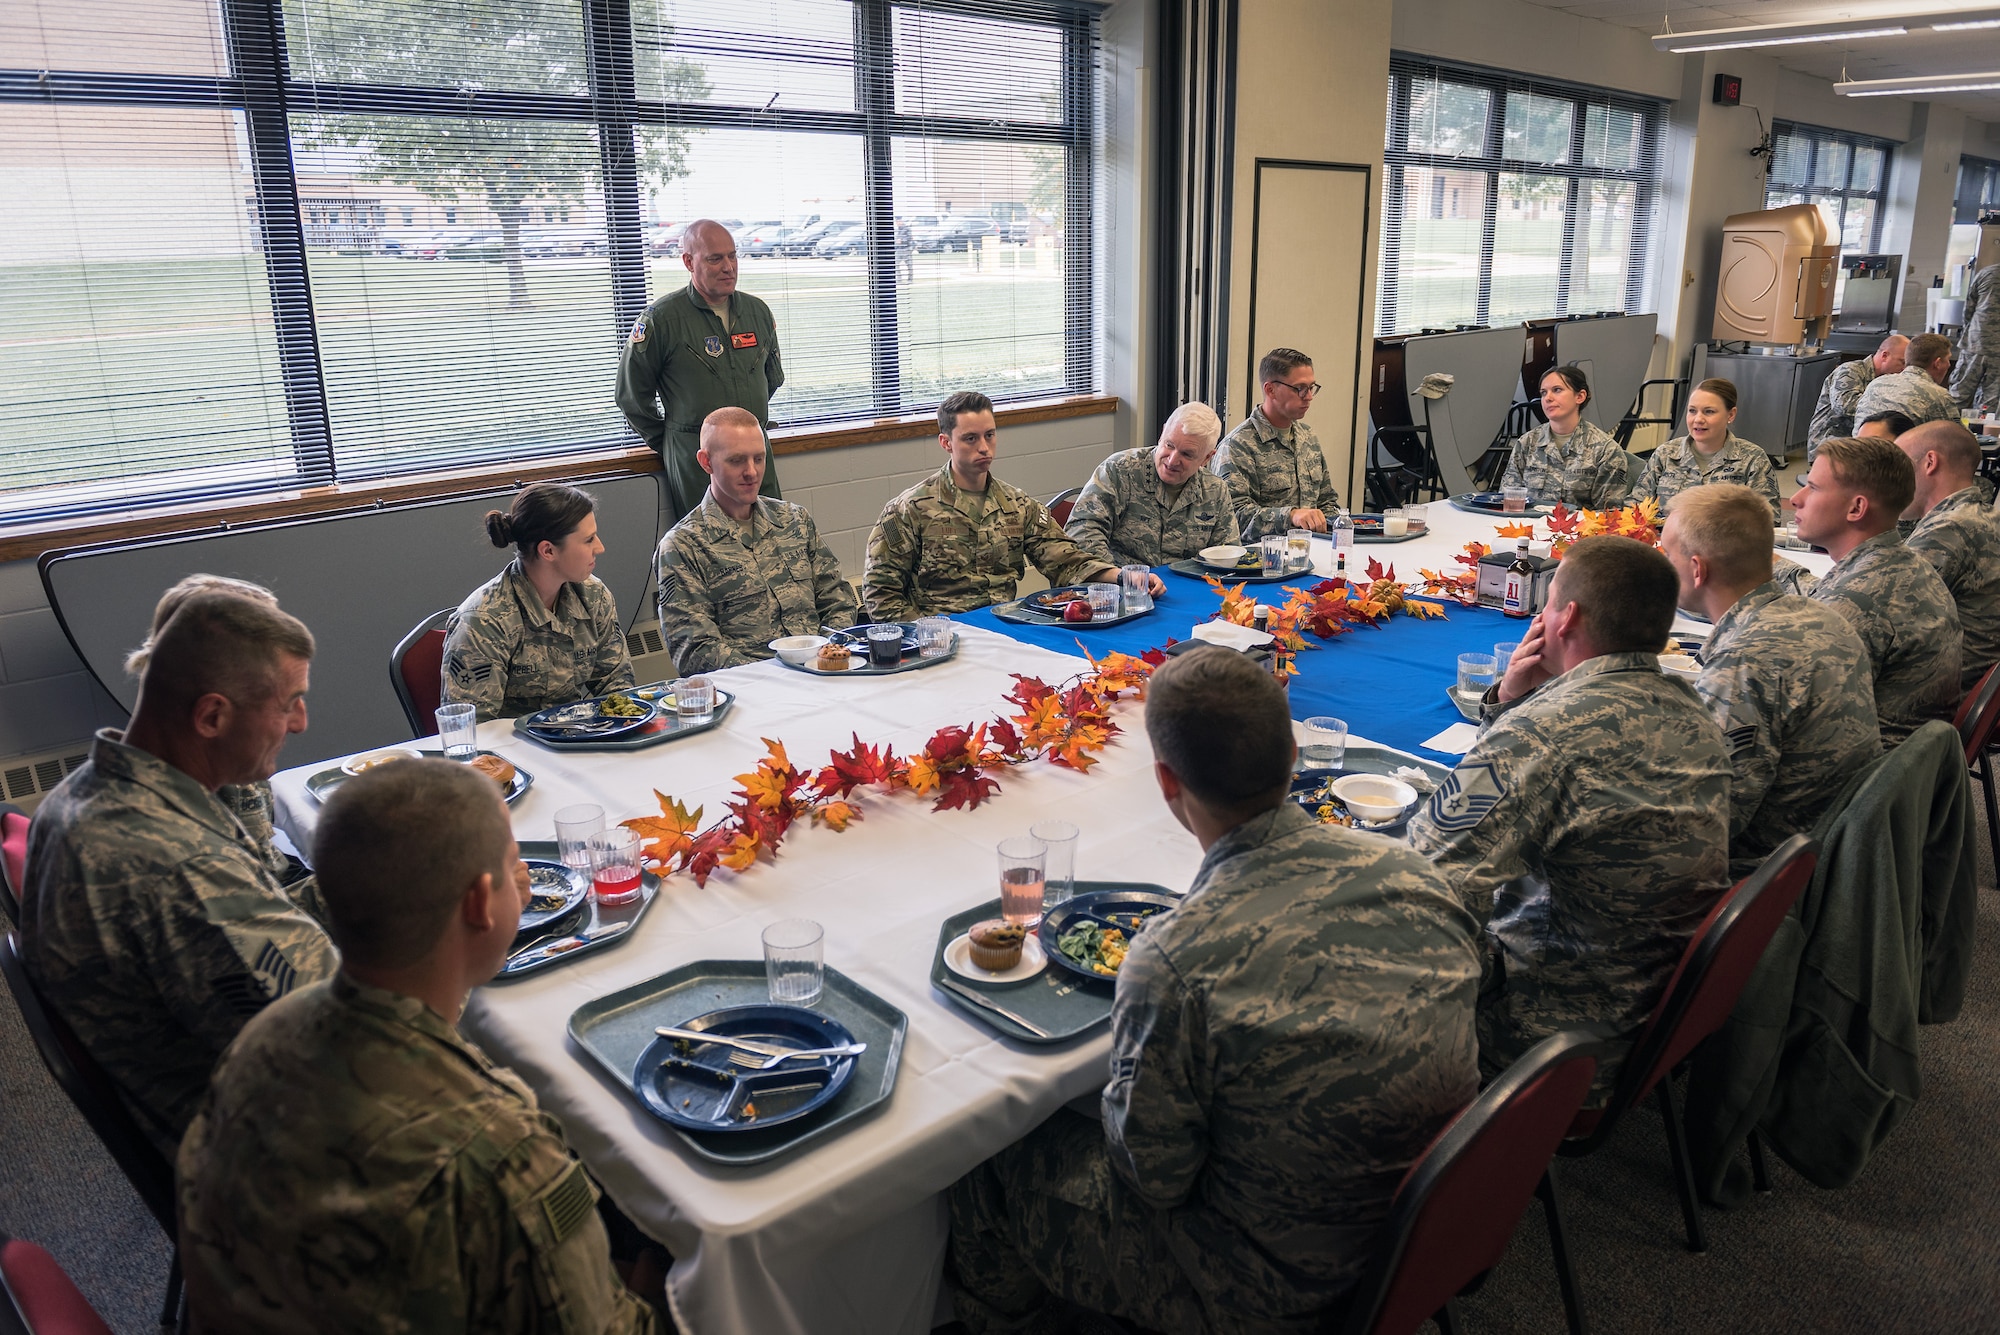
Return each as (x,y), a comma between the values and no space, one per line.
(704,347)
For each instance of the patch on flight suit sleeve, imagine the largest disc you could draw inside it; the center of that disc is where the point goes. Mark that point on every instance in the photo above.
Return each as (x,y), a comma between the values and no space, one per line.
(1464,799)
(468,671)
(274,970)
(712,345)
(568,1204)
(639,330)
(1740,739)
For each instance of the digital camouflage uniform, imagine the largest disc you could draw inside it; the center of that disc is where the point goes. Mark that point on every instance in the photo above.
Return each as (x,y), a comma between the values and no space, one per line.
(1908,623)
(1834,415)
(153,926)
(1585,471)
(680,364)
(1960,537)
(1678,465)
(1127,516)
(939,549)
(1975,378)
(1271,473)
(253,805)
(1911,392)
(358,1166)
(1588,827)
(728,589)
(1283,1045)
(1787,681)
(510,655)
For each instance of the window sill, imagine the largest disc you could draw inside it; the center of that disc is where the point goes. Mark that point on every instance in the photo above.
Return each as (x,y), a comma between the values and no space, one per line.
(28,542)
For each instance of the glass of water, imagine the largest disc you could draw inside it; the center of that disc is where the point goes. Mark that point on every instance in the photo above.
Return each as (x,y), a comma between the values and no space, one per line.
(1135,583)
(1271,552)
(458,731)
(1325,743)
(933,636)
(1475,672)
(1058,840)
(574,826)
(1103,600)
(794,963)
(1298,548)
(1503,654)
(694,698)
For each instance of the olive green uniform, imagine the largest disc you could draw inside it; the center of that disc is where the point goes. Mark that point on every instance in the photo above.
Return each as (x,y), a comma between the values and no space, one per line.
(680,364)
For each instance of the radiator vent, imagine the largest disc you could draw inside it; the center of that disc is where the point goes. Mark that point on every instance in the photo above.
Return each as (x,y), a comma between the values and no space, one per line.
(26,780)
(649,653)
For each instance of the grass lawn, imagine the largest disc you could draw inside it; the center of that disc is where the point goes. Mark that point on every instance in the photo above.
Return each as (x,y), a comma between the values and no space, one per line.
(133,370)
(1439,282)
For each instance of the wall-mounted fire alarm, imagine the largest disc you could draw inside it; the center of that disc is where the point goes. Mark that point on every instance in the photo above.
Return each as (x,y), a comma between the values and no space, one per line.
(1728,90)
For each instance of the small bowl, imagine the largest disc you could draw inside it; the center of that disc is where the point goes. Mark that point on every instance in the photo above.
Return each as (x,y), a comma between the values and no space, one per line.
(369,760)
(1224,555)
(1375,797)
(797,649)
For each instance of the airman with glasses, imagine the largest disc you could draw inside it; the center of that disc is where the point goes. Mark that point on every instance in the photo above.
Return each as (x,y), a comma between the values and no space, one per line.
(1272,462)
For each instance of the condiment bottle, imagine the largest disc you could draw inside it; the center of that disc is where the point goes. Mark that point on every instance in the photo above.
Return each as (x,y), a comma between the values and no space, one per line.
(1520,583)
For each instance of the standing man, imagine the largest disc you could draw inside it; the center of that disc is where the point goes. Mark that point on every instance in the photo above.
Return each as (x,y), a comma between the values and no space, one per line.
(1917,391)
(1894,600)
(1976,383)
(704,347)
(742,569)
(1148,507)
(1834,414)
(1273,463)
(1958,534)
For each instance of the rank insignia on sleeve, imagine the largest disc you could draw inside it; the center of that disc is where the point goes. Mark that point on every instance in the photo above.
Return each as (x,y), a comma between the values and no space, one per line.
(639,330)
(746,339)
(712,345)
(1464,799)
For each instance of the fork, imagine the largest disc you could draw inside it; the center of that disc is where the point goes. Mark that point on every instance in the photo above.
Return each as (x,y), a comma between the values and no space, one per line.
(737,1057)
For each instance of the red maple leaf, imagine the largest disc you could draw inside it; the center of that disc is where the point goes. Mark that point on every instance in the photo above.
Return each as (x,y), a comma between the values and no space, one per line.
(965,788)
(1005,738)
(1028,691)
(1375,570)
(948,743)
(1159,656)
(857,768)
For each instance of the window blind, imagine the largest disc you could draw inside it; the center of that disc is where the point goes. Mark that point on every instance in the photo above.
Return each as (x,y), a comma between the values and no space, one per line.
(1978,189)
(1510,199)
(1842,174)
(294,241)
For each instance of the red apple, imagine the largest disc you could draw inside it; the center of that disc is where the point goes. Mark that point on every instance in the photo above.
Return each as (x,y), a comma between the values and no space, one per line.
(1077,611)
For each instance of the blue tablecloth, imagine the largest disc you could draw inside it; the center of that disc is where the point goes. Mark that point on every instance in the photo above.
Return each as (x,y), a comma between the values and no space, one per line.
(1389,684)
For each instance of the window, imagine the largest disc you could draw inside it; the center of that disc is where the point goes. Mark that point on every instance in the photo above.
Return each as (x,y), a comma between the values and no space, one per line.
(1978,189)
(1508,200)
(1844,175)
(275,243)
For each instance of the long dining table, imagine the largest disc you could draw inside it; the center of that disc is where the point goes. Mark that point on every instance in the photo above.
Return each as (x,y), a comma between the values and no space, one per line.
(847,1234)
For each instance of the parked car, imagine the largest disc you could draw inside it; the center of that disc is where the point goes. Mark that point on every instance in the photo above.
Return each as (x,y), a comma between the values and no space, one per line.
(764,240)
(809,237)
(412,245)
(842,239)
(963,229)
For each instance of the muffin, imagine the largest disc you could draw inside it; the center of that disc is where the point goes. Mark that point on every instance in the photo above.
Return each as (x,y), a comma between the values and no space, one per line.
(496,769)
(833,658)
(995,945)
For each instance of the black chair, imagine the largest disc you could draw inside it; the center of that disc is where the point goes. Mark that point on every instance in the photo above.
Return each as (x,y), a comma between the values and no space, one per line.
(1521,418)
(1632,418)
(91,1090)
(1415,467)
(1064,502)
(414,667)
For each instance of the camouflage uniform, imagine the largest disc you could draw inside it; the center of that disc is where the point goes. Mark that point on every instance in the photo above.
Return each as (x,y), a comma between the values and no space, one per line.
(1911,392)
(152,925)
(1787,681)
(1909,625)
(1589,828)
(252,805)
(1586,470)
(358,1166)
(510,655)
(1960,537)
(1272,473)
(1284,1044)
(939,549)
(1975,379)
(728,589)
(1129,517)
(1678,465)
(1834,415)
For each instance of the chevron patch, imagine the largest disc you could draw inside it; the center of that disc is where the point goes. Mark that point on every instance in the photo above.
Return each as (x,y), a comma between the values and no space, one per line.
(1465,798)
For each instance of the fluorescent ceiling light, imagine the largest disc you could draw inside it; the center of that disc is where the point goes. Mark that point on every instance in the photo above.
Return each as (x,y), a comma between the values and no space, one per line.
(1929,83)
(1961,27)
(1827,30)
(1736,44)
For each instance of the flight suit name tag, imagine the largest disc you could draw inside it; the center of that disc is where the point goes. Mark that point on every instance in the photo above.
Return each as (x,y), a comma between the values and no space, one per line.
(744,340)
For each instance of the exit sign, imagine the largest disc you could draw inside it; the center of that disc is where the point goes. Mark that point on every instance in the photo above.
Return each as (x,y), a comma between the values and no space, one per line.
(1728,90)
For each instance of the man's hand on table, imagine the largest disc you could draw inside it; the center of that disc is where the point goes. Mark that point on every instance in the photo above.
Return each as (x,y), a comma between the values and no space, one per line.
(1525,670)
(1308,518)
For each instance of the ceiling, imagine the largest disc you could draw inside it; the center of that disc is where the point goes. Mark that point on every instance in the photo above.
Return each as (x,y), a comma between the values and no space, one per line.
(1920,52)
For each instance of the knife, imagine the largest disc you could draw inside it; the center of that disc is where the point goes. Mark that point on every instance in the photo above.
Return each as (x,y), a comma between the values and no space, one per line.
(562,946)
(985,1004)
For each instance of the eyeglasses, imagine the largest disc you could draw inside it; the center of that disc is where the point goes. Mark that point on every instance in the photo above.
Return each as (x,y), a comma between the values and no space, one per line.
(1305,391)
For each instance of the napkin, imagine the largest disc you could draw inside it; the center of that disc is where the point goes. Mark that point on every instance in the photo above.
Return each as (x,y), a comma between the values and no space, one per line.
(1457,739)
(1230,635)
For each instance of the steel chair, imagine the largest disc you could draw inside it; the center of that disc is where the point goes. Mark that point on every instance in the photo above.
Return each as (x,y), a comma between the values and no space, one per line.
(1978,716)
(1700,994)
(416,667)
(1521,418)
(40,1298)
(91,1090)
(13,859)
(1632,419)
(1457,1207)
(1064,502)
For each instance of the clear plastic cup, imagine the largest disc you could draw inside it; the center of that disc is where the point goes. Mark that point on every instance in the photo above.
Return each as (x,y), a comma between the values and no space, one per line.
(458,731)
(1324,745)
(795,961)
(694,698)
(934,636)
(885,644)
(615,873)
(574,826)
(1271,551)
(1502,653)
(1395,523)
(1298,548)
(1058,840)
(1023,872)
(1103,600)
(1514,500)
(1476,672)
(1135,586)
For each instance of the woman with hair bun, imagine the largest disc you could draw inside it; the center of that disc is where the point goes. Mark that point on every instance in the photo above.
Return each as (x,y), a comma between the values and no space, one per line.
(1709,452)
(1567,460)
(544,631)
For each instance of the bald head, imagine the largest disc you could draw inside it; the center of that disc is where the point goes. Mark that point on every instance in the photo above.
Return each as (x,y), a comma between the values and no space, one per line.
(1889,354)
(1945,456)
(709,254)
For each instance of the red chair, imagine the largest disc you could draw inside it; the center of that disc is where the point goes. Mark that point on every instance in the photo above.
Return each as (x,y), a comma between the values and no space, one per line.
(91,1090)
(13,858)
(1699,996)
(416,668)
(1064,502)
(41,1299)
(1978,716)
(1456,1209)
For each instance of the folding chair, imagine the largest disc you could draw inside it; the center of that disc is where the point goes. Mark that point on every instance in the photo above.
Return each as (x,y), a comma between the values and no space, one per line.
(1521,418)
(1632,420)
(1456,1209)
(40,1298)
(91,1090)
(13,859)
(1064,502)
(1978,716)
(1699,996)
(416,666)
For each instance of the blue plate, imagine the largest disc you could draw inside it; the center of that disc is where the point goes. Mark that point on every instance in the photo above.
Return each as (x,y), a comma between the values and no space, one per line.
(700,1090)
(584,720)
(1306,791)
(1117,906)
(557,891)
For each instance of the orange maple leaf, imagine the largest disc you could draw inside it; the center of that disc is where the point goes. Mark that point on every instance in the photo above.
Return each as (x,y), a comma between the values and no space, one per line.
(922,777)
(744,846)
(836,814)
(669,834)
(1521,530)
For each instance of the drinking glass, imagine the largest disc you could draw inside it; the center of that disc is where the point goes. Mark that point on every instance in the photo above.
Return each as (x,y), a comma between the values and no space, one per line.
(1395,523)
(614,865)
(458,731)
(574,826)
(1298,547)
(1272,553)
(1058,840)
(1514,500)
(885,644)
(1103,601)
(1502,653)
(934,636)
(1325,743)
(1475,672)
(1022,867)
(794,962)
(1136,584)
(694,698)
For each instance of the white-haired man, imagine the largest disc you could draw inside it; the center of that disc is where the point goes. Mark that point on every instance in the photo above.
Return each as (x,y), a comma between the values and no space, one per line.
(1151,506)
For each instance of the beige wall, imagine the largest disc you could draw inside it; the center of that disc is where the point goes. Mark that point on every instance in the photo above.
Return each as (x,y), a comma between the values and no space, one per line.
(1529,39)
